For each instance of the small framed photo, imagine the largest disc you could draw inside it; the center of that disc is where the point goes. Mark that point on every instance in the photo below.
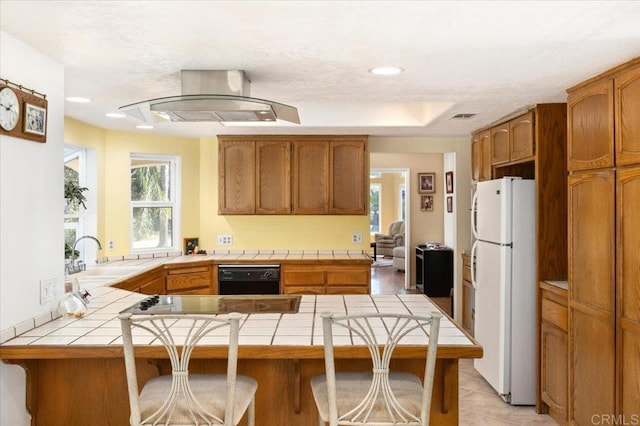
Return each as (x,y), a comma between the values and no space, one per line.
(35,119)
(449,204)
(191,245)
(449,181)
(426,203)
(426,183)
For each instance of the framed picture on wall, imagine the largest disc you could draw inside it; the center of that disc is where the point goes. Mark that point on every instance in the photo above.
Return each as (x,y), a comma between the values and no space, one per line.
(426,203)
(449,181)
(426,183)
(449,204)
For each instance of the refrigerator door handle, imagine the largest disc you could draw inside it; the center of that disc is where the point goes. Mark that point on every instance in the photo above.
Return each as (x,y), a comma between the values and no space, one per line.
(474,224)
(474,249)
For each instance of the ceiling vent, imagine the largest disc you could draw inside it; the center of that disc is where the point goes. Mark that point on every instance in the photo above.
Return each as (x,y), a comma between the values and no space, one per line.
(462,116)
(221,96)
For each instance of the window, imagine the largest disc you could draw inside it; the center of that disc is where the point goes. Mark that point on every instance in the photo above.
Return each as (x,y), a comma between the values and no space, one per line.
(74,215)
(402,210)
(155,202)
(374,207)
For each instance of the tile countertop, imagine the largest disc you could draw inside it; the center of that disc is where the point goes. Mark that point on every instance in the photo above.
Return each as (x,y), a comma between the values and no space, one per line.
(101,327)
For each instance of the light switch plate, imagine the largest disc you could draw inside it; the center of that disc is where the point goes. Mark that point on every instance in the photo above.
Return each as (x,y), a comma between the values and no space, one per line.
(225,240)
(47,290)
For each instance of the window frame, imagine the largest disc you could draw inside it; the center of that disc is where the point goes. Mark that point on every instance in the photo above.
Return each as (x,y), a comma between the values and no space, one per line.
(175,202)
(379,188)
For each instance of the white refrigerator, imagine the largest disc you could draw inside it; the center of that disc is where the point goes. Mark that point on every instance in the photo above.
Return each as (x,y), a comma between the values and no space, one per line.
(503,224)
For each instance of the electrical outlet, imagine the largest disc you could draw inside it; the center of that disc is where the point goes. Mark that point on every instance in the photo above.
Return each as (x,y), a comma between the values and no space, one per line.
(47,290)
(225,240)
(356,238)
(111,245)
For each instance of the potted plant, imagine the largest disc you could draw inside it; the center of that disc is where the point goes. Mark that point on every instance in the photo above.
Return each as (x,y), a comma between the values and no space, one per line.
(73,193)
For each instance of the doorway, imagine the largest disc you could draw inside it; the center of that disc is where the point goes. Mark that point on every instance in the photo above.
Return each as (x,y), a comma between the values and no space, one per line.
(389,192)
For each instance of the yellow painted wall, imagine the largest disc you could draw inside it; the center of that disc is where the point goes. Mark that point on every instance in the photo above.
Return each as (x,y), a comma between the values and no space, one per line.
(114,171)
(199,198)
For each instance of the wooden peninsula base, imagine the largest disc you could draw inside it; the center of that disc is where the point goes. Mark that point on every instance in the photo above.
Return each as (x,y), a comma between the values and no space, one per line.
(87,386)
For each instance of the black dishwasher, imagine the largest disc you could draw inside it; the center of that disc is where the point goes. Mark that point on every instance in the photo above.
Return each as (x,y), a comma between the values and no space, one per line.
(249,279)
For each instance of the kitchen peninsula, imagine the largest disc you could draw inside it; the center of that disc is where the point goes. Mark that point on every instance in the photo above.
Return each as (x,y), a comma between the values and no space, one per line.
(75,367)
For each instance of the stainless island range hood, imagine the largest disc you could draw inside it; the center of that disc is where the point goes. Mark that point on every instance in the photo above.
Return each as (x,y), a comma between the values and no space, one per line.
(221,96)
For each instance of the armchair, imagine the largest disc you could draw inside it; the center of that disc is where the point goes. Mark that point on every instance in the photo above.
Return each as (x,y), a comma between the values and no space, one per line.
(385,243)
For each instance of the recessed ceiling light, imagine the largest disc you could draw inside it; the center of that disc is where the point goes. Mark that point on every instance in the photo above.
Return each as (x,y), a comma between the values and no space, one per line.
(386,70)
(144,126)
(115,115)
(78,99)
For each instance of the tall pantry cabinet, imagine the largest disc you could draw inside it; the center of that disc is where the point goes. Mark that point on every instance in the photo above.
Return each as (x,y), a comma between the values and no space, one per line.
(604,245)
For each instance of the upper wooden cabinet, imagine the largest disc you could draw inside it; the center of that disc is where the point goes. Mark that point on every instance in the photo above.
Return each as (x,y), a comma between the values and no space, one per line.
(521,137)
(500,144)
(349,173)
(293,175)
(590,123)
(513,140)
(236,177)
(481,156)
(627,107)
(273,177)
(311,177)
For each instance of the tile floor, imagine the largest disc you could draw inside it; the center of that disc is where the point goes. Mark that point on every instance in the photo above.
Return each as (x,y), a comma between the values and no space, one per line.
(479,403)
(481,406)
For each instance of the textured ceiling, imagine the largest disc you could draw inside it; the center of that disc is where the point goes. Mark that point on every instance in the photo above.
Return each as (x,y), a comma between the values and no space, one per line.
(487,58)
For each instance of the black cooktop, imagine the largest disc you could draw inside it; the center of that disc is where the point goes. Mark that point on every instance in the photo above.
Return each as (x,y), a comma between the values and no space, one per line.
(193,304)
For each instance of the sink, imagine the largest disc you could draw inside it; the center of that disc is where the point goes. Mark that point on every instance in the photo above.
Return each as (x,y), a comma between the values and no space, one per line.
(111,271)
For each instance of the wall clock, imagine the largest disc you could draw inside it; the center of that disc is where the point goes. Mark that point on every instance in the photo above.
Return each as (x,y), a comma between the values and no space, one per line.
(23,112)
(9,109)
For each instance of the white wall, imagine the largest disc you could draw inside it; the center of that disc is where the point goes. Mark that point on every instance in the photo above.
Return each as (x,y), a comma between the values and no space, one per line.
(31,186)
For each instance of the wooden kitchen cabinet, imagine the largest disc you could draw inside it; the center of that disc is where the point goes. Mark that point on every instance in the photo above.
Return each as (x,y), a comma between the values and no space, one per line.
(236,177)
(311,177)
(554,351)
(349,187)
(150,282)
(481,156)
(468,296)
(273,177)
(604,235)
(325,279)
(513,141)
(521,137)
(293,175)
(627,111)
(628,290)
(590,123)
(591,294)
(191,280)
(500,144)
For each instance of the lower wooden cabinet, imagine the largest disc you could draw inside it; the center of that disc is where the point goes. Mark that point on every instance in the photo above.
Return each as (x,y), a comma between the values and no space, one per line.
(554,351)
(191,280)
(325,279)
(150,282)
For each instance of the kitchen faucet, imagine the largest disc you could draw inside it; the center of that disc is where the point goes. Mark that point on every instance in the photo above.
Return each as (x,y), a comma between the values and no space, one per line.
(72,268)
